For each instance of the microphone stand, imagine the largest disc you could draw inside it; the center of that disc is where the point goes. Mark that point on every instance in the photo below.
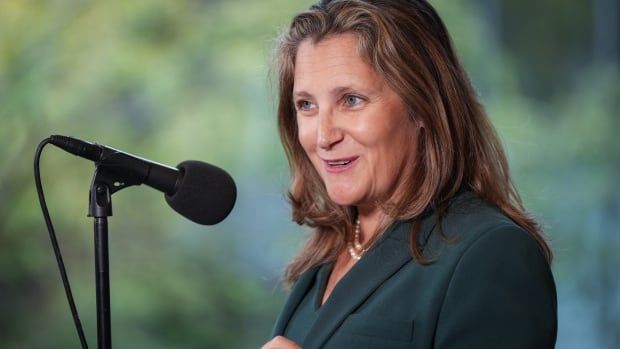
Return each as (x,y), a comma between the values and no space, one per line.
(106,181)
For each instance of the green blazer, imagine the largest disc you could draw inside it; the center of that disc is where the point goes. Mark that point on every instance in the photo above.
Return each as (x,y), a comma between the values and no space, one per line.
(489,287)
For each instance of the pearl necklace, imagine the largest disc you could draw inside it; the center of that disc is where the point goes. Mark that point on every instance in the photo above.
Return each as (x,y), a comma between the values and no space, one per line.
(356,250)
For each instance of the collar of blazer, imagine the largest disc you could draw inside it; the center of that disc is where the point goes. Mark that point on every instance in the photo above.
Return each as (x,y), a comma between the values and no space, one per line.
(384,259)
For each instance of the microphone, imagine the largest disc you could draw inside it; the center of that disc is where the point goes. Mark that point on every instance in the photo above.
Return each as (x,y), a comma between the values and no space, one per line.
(199,191)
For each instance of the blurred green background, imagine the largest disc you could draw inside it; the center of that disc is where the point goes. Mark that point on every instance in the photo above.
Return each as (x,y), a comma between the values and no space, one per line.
(176,80)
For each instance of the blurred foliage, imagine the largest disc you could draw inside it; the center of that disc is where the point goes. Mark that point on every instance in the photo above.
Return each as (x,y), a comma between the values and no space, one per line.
(161,78)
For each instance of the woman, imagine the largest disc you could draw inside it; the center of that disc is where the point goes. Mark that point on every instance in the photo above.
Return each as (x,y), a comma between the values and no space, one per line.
(420,238)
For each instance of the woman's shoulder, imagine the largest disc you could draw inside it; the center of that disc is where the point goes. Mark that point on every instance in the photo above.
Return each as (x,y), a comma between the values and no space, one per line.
(472,223)
(495,269)
(468,210)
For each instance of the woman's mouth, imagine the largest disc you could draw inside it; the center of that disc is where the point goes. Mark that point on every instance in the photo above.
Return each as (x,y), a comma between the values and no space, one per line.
(339,165)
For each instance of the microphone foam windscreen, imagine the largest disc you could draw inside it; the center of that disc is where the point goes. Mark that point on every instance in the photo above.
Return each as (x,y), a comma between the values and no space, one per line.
(206,194)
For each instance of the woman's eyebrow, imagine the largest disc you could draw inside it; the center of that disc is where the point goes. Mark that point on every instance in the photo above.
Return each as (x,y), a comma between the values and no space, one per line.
(302,94)
(342,89)
(334,91)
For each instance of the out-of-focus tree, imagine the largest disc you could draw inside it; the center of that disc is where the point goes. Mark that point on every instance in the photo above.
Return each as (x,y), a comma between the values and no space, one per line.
(157,78)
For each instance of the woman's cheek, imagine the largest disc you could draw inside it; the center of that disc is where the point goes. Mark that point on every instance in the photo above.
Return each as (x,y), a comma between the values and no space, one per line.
(306,134)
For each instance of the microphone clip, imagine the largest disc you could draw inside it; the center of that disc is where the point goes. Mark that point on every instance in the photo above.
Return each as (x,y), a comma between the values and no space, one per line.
(110,176)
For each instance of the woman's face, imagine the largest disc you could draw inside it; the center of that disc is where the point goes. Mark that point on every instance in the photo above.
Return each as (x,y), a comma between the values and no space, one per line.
(352,125)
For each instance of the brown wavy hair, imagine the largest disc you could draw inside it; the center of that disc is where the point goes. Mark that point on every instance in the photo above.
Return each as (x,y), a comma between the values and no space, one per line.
(407,43)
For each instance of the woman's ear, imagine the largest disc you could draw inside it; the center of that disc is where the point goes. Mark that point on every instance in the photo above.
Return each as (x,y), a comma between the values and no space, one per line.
(414,118)
(419,123)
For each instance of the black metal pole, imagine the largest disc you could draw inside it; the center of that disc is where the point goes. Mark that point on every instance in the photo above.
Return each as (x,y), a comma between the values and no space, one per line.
(102,271)
(100,208)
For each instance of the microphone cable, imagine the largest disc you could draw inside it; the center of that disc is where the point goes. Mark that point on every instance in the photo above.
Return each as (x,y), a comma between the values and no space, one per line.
(52,234)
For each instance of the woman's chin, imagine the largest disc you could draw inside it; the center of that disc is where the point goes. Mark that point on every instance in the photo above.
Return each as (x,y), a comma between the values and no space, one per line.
(343,198)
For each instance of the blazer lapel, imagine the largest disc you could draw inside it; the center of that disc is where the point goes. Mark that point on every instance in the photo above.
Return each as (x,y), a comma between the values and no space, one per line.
(297,294)
(377,265)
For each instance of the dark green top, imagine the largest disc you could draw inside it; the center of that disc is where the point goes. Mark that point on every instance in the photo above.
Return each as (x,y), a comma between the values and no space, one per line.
(308,310)
(489,287)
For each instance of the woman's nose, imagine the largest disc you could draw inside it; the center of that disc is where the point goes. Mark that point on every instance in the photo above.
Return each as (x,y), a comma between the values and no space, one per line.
(329,134)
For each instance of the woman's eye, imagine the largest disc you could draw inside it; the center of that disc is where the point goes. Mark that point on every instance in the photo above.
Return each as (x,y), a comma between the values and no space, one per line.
(352,100)
(304,105)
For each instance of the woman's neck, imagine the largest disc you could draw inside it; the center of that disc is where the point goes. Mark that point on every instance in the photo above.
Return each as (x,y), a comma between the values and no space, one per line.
(370,219)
